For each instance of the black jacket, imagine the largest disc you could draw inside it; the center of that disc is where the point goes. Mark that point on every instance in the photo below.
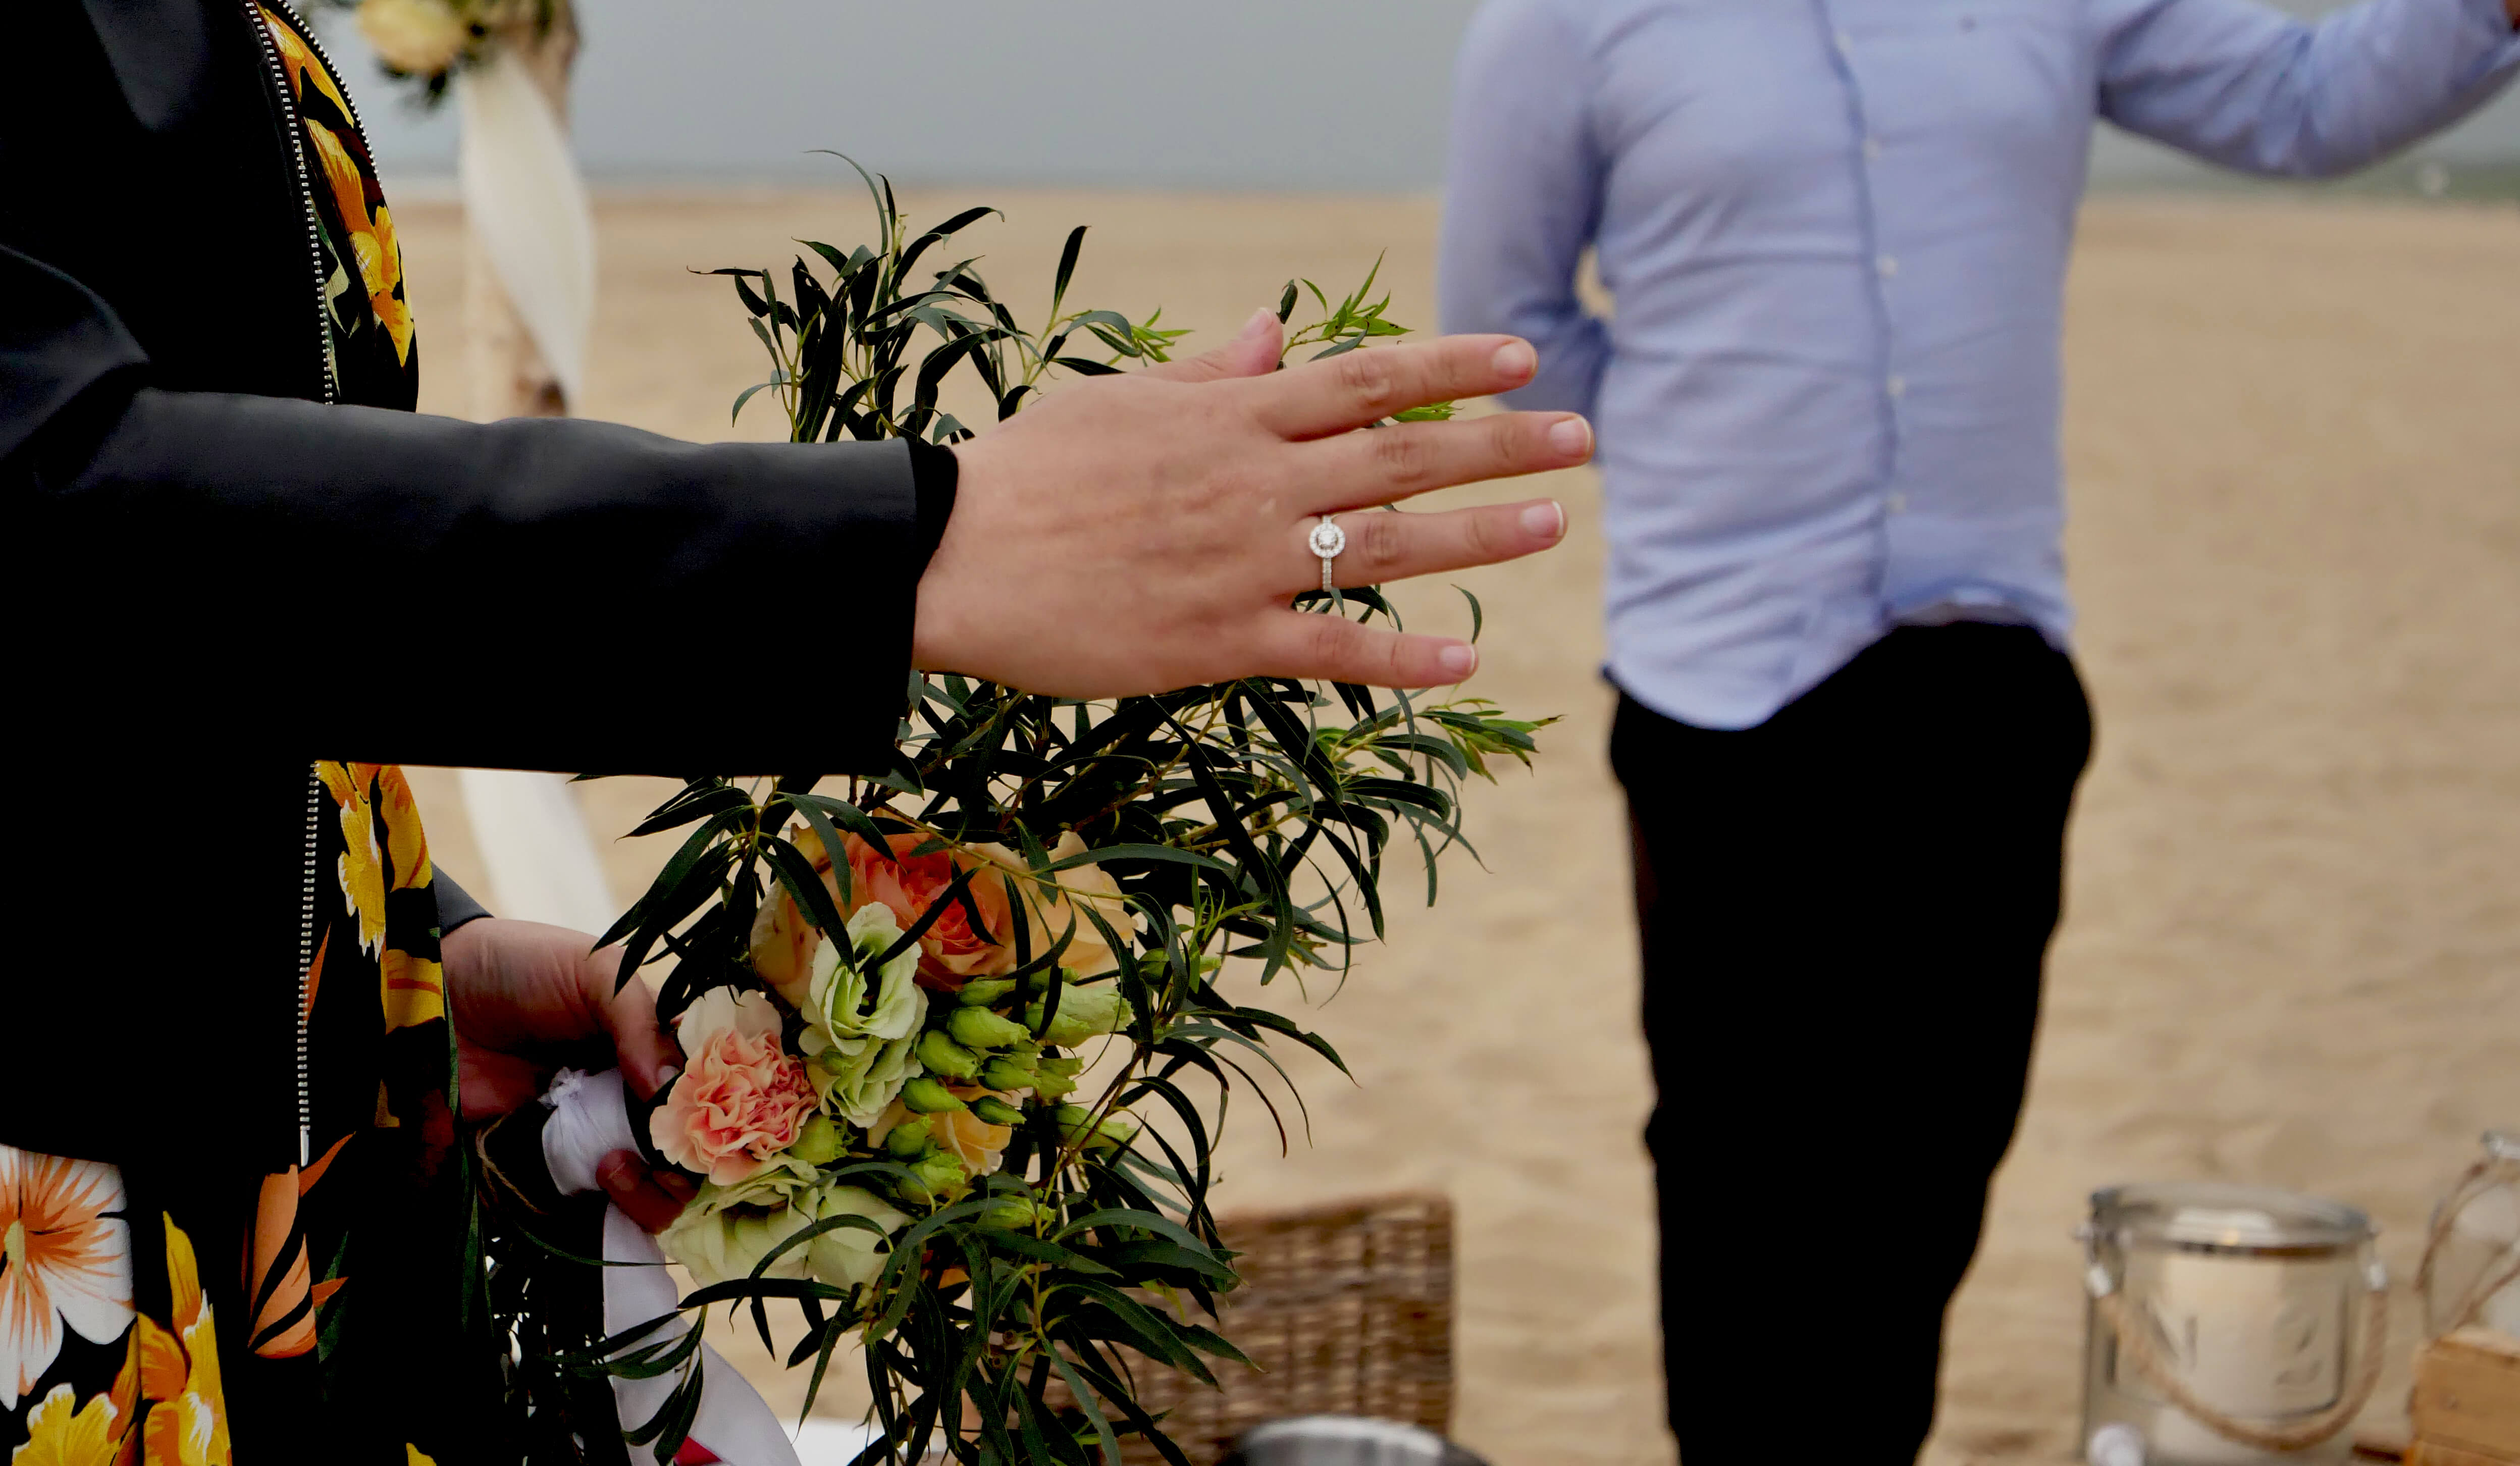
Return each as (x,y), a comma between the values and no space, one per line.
(213,578)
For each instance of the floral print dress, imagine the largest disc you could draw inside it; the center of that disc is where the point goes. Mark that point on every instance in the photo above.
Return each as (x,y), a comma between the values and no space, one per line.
(177,1313)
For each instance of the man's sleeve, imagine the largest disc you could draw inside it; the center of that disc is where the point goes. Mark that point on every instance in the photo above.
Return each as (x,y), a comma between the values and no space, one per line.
(1522,195)
(272,572)
(2240,83)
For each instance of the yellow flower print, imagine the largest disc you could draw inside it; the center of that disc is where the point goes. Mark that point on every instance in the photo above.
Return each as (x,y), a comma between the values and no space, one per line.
(415,988)
(57,1435)
(362,865)
(372,238)
(301,63)
(179,1372)
(380,265)
(405,841)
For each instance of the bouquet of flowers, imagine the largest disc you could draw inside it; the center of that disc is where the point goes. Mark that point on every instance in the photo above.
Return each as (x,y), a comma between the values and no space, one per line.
(425,42)
(958,1036)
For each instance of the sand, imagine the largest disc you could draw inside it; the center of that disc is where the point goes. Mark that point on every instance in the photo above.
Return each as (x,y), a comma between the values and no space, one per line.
(2292,953)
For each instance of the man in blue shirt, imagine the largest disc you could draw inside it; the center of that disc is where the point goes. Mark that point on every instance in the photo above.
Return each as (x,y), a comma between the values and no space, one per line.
(1836,232)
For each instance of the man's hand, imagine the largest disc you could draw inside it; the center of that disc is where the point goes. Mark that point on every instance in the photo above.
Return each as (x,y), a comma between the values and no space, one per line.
(1143,532)
(527,999)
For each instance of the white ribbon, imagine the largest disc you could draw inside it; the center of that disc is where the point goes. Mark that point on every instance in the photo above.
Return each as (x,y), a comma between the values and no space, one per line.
(589,1118)
(524,198)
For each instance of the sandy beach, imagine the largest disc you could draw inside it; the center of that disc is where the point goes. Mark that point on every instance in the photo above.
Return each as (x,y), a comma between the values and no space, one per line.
(2292,950)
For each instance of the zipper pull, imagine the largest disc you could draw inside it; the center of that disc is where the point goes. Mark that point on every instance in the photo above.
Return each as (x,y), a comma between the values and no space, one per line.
(303,1150)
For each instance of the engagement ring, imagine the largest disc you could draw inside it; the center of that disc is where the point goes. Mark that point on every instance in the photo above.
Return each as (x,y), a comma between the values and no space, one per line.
(1328,541)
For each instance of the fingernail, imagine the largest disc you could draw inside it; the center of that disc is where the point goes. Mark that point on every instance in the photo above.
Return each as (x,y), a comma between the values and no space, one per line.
(609,1169)
(1516,360)
(1457,660)
(1546,520)
(1261,319)
(1571,434)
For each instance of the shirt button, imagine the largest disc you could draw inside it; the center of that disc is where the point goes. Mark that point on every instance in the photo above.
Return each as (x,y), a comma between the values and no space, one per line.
(1897,386)
(1844,41)
(1897,504)
(1887,264)
(1872,148)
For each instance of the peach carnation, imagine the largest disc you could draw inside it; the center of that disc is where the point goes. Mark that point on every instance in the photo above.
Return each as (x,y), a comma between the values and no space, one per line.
(740,1098)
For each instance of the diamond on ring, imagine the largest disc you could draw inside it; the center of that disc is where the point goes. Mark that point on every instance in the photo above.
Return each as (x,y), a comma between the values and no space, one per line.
(1327,540)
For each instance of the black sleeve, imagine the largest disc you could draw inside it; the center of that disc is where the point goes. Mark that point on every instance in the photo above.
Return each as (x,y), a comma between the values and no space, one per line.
(456,906)
(618,600)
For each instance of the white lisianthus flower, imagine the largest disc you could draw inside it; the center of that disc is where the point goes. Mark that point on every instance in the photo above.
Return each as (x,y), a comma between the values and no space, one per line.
(727,1230)
(858,1043)
(418,37)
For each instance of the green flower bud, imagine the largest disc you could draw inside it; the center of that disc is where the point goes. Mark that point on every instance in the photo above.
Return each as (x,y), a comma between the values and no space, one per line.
(819,1142)
(978,1028)
(982,991)
(936,1177)
(1083,1013)
(1071,1120)
(1009,1072)
(908,1140)
(1056,1079)
(1113,1132)
(995,1111)
(1015,1214)
(926,1096)
(942,1055)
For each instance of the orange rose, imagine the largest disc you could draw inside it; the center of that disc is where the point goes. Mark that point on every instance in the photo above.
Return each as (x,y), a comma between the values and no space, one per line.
(952,951)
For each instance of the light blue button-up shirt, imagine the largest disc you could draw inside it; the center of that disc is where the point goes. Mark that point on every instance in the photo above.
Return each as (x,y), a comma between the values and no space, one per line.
(1837,232)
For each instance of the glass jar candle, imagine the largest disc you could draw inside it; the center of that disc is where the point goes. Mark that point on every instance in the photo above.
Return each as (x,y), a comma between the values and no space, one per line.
(2471,1274)
(2227,1325)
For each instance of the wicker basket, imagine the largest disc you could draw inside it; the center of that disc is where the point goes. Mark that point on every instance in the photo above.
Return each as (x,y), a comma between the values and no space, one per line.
(1347,1309)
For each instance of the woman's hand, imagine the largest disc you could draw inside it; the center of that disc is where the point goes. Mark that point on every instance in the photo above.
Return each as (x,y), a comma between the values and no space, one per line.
(527,999)
(1141,532)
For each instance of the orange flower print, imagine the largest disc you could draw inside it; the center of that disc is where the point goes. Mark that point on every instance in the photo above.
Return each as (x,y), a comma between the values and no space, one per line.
(64,1262)
(278,1284)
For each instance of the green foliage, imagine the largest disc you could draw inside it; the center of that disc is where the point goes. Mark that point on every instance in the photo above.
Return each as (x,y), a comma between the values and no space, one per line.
(1246,825)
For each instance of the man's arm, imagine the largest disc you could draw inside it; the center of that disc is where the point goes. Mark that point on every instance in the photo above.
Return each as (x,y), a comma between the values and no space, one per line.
(1522,196)
(2242,84)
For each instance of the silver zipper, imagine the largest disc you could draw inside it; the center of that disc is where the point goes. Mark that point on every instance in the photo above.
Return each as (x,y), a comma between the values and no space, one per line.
(305,190)
(306,957)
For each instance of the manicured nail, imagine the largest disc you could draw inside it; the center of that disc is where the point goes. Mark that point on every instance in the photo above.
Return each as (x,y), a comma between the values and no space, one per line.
(1546,520)
(1516,360)
(1571,434)
(1261,319)
(1457,660)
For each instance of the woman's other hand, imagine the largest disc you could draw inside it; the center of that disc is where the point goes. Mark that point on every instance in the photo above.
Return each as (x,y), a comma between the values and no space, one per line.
(525,1000)
(1147,531)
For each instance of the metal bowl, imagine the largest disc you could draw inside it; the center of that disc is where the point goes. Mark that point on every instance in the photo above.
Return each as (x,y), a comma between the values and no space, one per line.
(1345,1440)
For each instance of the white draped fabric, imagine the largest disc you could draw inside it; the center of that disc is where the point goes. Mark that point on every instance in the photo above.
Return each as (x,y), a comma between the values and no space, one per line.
(525,200)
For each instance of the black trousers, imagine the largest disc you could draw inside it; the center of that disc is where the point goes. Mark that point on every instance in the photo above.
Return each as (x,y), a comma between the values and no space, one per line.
(1845,913)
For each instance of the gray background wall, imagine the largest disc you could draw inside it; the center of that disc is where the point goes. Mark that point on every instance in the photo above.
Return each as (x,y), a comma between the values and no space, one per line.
(1223,94)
